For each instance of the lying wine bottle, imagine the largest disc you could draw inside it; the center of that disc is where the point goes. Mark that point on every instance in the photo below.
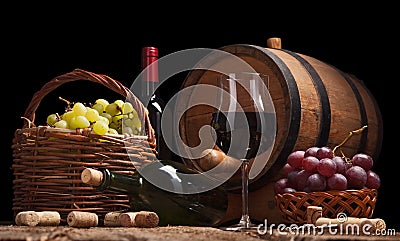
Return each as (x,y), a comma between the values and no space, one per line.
(206,208)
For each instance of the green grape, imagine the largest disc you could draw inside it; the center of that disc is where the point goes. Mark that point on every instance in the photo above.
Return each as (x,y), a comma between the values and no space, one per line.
(68,115)
(119,103)
(52,119)
(72,123)
(128,122)
(79,109)
(137,123)
(82,122)
(117,119)
(133,114)
(63,124)
(107,116)
(113,109)
(127,108)
(113,131)
(92,115)
(127,130)
(104,119)
(99,107)
(103,102)
(100,127)
(116,127)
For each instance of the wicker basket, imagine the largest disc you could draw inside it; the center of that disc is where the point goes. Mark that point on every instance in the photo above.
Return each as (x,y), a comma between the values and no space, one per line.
(47,161)
(354,203)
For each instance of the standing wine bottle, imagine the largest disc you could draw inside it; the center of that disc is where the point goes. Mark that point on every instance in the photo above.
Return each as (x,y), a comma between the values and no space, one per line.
(206,208)
(156,105)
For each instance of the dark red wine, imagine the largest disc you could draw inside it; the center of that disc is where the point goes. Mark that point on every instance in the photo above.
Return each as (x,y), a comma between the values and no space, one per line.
(230,135)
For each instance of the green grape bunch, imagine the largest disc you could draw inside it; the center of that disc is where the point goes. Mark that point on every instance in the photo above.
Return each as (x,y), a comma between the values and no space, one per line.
(103,117)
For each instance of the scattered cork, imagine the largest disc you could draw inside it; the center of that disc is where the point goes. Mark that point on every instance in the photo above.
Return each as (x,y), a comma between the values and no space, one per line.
(34,218)
(82,219)
(112,219)
(142,219)
(374,223)
(313,213)
(27,218)
(314,216)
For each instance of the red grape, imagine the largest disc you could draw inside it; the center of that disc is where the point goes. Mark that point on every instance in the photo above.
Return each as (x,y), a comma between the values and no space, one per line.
(286,169)
(316,182)
(280,185)
(310,163)
(336,182)
(340,164)
(362,160)
(324,152)
(373,180)
(295,159)
(356,177)
(301,179)
(289,190)
(326,167)
(292,178)
(311,151)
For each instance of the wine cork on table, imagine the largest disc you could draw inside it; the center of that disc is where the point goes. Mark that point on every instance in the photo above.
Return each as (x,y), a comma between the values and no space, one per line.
(314,216)
(373,223)
(142,219)
(112,219)
(38,218)
(313,213)
(82,219)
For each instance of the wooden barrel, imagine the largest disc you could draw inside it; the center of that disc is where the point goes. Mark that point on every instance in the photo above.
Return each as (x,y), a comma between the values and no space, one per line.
(316,104)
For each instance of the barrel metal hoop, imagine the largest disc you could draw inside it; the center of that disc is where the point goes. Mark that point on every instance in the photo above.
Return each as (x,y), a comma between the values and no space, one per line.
(295,104)
(325,124)
(363,112)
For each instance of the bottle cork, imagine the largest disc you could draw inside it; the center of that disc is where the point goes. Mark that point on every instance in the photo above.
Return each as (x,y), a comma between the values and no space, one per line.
(274,43)
(42,218)
(82,219)
(92,177)
(112,219)
(142,219)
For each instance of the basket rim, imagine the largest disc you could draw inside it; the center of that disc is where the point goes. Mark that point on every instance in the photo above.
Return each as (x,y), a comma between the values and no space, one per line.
(332,192)
(77,131)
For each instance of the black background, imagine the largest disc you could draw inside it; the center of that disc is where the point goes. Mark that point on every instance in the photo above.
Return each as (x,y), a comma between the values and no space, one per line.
(40,44)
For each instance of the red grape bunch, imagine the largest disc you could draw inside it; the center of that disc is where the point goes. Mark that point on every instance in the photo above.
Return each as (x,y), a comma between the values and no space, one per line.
(318,169)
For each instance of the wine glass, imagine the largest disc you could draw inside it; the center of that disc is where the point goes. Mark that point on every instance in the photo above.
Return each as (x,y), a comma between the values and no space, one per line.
(239,124)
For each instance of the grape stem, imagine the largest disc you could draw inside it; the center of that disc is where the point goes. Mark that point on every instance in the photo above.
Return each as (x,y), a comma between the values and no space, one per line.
(69,103)
(351,133)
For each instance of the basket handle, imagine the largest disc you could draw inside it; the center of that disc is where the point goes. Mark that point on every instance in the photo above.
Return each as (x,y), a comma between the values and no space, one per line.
(79,74)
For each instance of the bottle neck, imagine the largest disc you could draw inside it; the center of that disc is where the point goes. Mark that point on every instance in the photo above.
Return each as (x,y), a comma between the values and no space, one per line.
(118,182)
(150,79)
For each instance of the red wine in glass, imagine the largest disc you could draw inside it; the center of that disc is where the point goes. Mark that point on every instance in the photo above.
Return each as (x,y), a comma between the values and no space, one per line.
(242,134)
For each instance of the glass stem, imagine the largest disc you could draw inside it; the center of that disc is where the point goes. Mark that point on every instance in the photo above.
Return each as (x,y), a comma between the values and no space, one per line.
(245,193)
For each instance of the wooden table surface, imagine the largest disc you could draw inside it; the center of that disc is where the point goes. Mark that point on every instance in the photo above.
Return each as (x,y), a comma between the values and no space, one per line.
(176,233)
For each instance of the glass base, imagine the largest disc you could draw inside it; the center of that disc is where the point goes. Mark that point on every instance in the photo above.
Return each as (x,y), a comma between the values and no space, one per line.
(241,226)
